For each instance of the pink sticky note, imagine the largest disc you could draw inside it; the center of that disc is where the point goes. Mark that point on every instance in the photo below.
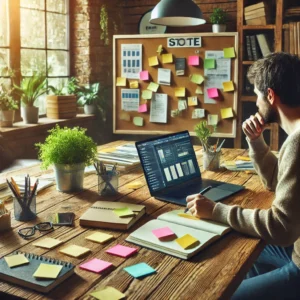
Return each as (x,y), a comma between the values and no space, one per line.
(143,108)
(144,75)
(122,251)
(193,60)
(95,265)
(212,93)
(164,232)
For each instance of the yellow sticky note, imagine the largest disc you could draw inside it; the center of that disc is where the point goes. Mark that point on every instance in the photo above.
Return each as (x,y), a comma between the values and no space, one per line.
(212,119)
(134,185)
(121,81)
(192,101)
(187,216)
(108,292)
(147,95)
(199,90)
(153,61)
(47,243)
(228,86)
(226,113)
(159,49)
(187,241)
(108,150)
(230,163)
(99,237)
(74,251)
(196,78)
(167,58)
(138,121)
(124,116)
(16,260)
(229,52)
(179,92)
(134,84)
(244,158)
(123,212)
(47,271)
(153,87)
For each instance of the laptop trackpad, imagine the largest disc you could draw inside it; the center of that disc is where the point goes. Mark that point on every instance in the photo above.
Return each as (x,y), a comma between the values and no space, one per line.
(216,194)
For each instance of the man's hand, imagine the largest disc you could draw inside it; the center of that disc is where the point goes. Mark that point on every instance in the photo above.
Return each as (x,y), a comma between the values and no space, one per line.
(253,127)
(200,206)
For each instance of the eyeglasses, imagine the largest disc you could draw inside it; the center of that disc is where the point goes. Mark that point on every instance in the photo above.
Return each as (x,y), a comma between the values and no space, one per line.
(30,231)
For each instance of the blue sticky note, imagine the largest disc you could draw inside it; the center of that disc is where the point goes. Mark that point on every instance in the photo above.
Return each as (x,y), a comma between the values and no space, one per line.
(140,270)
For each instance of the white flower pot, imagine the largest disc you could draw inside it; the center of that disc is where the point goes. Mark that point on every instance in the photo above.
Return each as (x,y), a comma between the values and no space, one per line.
(30,114)
(7,118)
(90,109)
(218,28)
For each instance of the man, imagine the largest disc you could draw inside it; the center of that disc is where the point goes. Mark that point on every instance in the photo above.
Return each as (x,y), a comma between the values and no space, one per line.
(276,273)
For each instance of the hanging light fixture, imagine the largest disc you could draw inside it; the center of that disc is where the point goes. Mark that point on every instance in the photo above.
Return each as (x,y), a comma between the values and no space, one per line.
(177,13)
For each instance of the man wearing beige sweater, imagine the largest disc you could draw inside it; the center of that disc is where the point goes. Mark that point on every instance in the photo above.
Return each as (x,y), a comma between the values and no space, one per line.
(276,273)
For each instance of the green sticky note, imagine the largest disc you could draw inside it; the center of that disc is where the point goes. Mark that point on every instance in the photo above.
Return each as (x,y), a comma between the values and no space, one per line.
(123,212)
(147,95)
(196,78)
(209,63)
(229,52)
(138,121)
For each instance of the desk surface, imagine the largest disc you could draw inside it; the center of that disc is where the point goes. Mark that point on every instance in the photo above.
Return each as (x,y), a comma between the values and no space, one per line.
(214,273)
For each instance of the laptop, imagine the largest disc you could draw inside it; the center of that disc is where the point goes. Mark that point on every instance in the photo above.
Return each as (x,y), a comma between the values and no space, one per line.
(172,171)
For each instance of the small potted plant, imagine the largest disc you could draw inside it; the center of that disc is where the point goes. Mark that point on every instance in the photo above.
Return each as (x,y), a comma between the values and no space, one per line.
(30,89)
(63,103)
(69,150)
(218,18)
(211,153)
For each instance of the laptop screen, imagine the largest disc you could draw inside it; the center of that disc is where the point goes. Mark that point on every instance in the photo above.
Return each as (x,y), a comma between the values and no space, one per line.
(168,160)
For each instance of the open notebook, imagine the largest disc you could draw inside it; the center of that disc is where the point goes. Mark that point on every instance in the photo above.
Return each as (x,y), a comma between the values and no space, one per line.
(204,231)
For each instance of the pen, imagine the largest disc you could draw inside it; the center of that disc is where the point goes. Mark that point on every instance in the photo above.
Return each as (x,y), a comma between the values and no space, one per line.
(201,192)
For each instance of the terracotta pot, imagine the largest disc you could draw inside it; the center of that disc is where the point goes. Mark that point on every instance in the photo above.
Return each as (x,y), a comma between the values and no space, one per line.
(7,118)
(61,107)
(30,114)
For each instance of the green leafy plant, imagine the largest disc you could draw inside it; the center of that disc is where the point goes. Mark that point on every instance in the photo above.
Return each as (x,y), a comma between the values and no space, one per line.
(72,87)
(31,88)
(7,101)
(67,146)
(219,16)
(204,132)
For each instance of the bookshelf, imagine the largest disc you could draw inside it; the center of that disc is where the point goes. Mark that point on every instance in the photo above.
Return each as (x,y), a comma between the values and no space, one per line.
(273,31)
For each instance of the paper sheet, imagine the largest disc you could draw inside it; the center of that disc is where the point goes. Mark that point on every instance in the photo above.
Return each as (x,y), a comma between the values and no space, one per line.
(182,105)
(131,56)
(198,113)
(158,109)
(130,99)
(164,76)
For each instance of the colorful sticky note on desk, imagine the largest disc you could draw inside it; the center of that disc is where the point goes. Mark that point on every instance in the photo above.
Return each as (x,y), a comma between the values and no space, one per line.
(212,93)
(187,216)
(143,108)
(48,243)
(196,78)
(167,58)
(226,113)
(108,292)
(198,90)
(47,271)
(209,63)
(163,233)
(193,60)
(179,92)
(228,86)
(138,121)
(187,241)
(153,61)
(192,101)
(212,119)
(74,250)
(229,52)
(153,87)
(144,75)
(147,95)
(99,237)
(16,260)
(134,84)
(121,81)
(140,270)
(123,212)
(122,251)
(134,185)
(95,265)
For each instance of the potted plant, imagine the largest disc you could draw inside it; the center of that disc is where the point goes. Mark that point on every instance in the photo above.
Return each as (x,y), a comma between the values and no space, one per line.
(63,104)
(7,106)
(69,150)
(30,89)
(211,153)
(218,18)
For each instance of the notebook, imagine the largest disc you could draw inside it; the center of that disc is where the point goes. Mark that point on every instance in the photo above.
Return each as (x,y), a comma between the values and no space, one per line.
(186,230)
(172,171)
(23,274)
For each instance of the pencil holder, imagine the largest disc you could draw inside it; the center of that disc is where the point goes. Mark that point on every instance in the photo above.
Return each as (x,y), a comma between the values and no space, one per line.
(211,160)
(108,183)
(25,210)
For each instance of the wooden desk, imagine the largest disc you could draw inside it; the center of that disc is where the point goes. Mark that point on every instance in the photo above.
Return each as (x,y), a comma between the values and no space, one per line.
(212,274)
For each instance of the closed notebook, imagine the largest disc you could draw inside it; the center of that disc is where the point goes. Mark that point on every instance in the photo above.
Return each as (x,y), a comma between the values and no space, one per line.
(101,214)
(23,275)
(205,232)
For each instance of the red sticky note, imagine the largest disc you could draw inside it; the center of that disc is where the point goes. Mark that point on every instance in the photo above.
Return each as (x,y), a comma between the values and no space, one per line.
(144,75)
(122,251)
(143,108)
(95,265)
(164,232)
(193,60)
(212,93)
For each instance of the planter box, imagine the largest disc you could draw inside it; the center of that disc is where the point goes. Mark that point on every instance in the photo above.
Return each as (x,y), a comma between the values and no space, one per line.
(61,107)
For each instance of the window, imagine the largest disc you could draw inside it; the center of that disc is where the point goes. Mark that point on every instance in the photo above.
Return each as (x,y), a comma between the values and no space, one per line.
(41,41)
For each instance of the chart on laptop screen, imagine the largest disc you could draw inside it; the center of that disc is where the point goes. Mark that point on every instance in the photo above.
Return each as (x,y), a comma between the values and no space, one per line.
(168,160)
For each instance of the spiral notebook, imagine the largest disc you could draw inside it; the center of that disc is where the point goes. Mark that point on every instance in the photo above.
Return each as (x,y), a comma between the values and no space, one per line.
(23,275)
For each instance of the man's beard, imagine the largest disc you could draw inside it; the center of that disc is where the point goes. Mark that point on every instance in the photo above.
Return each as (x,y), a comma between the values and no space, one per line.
(268,113)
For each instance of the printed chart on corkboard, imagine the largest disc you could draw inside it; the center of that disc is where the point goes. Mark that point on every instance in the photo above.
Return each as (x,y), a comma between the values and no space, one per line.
(171,82)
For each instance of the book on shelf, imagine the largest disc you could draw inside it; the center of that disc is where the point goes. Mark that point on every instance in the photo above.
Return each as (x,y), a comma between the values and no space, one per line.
(248,48)
(260,12)
(254,6)
(203,231)
(102,215)
(23,275)
(257,21)
(254,47)
(263,44)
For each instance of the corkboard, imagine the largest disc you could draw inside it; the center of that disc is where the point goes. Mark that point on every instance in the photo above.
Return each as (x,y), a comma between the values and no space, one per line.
(209,41)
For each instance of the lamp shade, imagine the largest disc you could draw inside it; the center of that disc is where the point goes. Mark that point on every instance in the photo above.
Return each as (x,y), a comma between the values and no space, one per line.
(177,13)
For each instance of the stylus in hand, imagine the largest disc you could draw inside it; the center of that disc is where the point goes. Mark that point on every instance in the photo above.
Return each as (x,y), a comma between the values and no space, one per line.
(201,192)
